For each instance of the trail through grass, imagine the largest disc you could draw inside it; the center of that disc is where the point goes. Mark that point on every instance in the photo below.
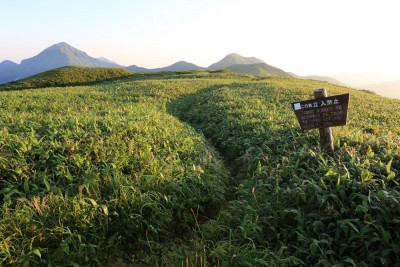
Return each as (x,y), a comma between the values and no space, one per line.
(295,205)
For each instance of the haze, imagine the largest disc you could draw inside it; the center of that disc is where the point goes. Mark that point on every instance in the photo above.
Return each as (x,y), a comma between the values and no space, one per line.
(305,37)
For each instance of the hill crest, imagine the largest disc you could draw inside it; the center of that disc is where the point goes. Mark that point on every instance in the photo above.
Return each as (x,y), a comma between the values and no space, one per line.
(233,59)
(259,69)
(66,76)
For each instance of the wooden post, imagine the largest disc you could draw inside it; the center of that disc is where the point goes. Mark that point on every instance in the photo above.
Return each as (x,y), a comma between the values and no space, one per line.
(325,134)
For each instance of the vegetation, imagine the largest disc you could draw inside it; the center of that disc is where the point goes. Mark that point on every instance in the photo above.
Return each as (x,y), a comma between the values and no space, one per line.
(293,204)
(259,69)
(67,76)
(121,172)
(233,59)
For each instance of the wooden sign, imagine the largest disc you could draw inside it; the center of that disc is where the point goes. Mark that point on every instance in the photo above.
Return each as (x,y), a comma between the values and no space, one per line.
(322,112)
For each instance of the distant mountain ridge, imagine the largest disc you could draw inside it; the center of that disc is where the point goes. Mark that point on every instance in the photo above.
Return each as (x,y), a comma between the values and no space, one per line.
(55,56)
(63,54)
(178,66)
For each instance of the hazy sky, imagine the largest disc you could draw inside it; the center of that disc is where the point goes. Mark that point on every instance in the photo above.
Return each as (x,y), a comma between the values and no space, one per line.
(302,36)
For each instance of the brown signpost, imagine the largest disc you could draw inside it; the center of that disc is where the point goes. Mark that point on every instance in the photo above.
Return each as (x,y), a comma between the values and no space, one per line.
(322,113)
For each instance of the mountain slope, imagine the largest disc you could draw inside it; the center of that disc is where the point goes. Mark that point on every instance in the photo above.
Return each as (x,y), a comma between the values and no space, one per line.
(260,69)
(233,59)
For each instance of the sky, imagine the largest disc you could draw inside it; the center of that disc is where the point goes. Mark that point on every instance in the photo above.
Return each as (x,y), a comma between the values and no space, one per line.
(307,37)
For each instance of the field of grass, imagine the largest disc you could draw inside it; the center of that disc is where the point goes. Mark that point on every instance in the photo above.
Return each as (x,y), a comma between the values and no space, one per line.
(130,172)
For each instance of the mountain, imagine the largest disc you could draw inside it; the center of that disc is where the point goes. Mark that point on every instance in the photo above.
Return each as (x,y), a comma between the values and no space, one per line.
(233,59)
(7,71)
(56,56)
(247,65)
(60,55)
(135,68)
(260,69)
(63,54)
(178,66)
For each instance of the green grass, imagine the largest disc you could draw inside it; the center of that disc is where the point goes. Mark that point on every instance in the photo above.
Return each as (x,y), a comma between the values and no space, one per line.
(260,69)
(126,171)
(294,204)
(67,76)
(91,172)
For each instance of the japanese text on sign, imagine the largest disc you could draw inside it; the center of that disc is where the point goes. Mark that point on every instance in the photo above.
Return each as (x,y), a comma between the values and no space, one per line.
(322,113)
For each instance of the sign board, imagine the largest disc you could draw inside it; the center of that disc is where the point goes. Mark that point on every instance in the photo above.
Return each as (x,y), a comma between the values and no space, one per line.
(322,112)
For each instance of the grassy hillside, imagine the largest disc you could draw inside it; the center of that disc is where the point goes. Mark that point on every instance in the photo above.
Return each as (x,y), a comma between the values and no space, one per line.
(127,172)
(293,204)
(67,76)
(233,59)
(259,69)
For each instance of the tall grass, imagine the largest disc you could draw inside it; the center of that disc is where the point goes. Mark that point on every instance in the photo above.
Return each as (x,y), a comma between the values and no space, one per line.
(88,175)
(122,172)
